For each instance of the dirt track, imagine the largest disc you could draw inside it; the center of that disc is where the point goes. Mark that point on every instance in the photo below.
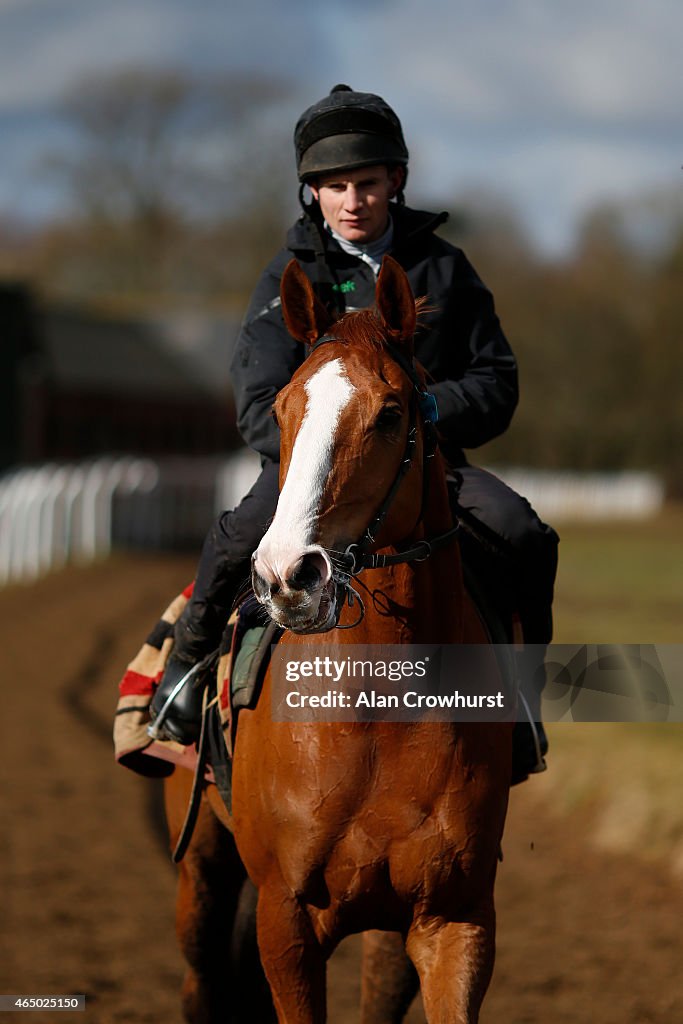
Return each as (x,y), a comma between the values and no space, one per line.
(88,896)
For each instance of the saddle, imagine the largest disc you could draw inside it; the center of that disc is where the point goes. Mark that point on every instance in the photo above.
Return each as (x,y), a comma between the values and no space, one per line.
(233,680)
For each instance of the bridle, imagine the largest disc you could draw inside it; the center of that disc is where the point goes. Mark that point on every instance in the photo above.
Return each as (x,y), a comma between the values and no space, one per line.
(357,557)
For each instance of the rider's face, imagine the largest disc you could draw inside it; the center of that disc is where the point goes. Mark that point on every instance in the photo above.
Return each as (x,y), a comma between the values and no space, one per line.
(355,203)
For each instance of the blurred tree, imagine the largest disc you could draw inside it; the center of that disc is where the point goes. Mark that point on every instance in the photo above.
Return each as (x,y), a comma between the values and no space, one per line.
(182,186)
(128,154)
(597,340)
(663,377)
(162,168)
(489,228)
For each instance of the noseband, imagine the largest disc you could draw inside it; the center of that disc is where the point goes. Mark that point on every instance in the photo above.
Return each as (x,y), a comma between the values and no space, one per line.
(358,556)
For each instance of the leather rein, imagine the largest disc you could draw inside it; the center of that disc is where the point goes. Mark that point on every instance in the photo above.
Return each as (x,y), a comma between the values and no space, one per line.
(357,557)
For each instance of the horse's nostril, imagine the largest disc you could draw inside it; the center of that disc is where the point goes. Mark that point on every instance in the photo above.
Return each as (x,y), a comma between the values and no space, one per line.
(307,573)
(262,588)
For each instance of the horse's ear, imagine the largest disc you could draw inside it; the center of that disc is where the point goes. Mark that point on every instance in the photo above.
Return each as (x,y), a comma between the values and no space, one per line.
(305,316)
(395,302)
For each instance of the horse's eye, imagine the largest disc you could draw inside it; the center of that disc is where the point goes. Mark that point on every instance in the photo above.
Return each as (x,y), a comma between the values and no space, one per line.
(390,416)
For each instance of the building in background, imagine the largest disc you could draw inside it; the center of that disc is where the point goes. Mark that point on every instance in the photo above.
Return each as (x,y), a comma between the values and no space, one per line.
(75,384)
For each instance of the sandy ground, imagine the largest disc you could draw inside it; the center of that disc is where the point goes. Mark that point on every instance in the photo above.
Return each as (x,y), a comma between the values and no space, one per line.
(88,890)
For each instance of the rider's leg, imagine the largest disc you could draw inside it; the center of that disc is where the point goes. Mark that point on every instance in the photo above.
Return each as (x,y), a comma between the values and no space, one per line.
(529,548)
(224,566)
(223,570)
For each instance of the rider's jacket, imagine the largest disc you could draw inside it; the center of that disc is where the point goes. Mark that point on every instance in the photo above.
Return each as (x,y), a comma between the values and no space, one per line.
(460,342)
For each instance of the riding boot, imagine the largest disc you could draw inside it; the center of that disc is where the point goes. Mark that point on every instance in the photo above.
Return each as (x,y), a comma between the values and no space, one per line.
(176,708)
(529,739)
(222,574)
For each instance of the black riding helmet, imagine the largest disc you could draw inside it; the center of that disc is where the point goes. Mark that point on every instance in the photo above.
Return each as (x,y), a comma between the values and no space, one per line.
(346,130)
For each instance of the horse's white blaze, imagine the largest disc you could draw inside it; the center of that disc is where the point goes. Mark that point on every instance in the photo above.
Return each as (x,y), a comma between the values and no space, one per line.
(293,528)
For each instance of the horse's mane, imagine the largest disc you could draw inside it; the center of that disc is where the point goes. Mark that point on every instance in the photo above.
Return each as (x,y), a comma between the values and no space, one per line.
(363,328)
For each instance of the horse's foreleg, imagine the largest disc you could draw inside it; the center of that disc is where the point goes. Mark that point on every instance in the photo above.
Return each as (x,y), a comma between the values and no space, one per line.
(454,960)
(221,981)
(292,957)
(389,981)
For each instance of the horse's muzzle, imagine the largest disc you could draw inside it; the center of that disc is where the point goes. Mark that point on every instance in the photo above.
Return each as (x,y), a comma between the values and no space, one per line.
(301,599)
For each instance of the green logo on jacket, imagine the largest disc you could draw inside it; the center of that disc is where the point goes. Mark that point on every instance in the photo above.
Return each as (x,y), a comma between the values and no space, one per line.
(345,286)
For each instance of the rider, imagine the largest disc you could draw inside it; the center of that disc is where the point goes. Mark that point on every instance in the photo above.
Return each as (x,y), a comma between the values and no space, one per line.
(351,154)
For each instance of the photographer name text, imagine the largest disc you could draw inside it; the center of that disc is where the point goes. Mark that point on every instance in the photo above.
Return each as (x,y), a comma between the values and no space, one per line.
(375,699)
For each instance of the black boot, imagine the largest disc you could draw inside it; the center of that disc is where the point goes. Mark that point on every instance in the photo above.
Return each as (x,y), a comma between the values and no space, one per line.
(529,747)
(223,571)
(529,740)
(176,708)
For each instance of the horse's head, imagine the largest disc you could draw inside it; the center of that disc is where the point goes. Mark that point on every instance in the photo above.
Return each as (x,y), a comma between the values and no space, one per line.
(348,423)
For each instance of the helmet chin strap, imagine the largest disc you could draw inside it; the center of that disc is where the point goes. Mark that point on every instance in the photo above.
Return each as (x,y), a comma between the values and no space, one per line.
(399,195)
(306,207)
(325,278)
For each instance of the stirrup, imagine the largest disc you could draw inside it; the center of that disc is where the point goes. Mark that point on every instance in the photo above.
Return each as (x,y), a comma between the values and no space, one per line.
(177,715)
(156,729)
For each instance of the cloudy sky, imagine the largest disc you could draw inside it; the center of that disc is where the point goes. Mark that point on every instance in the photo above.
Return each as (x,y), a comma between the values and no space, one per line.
(555,104)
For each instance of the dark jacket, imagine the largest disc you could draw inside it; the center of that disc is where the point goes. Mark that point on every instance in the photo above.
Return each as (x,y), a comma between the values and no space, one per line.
(460,342)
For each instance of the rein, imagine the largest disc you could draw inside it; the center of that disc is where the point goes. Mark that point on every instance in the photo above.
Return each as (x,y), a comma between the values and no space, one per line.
(357,556)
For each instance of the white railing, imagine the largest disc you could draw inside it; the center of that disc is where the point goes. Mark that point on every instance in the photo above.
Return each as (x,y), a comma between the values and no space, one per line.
(563,494)
(54,514)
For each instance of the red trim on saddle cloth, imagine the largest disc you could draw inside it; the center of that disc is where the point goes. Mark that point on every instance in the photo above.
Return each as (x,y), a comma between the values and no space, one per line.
(224,695)
(135,684)
(175,754)
(225,667)
(132,743)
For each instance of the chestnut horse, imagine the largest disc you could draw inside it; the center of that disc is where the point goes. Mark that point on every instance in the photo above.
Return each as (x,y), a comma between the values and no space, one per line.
(358,826)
